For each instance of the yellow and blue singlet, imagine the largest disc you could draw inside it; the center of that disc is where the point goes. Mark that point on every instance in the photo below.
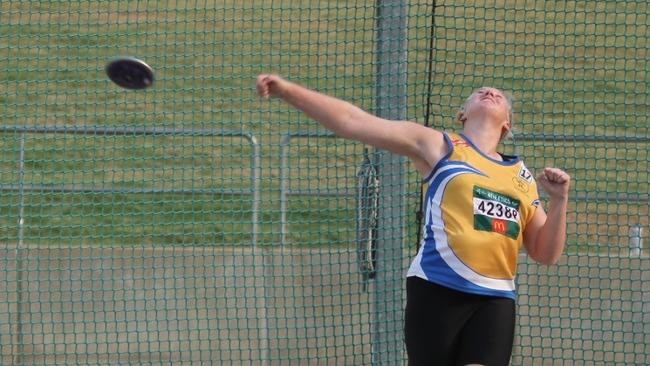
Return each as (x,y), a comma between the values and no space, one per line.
(476,209)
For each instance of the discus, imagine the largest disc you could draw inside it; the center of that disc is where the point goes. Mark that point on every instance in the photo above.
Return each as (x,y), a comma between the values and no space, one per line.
(130,73)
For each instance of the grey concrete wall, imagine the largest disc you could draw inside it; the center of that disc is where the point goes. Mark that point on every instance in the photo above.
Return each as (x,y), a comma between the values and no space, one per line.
(214,306)
(183,307)
(586,310)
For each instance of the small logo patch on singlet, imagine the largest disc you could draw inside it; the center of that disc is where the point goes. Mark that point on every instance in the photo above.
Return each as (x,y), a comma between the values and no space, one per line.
(525,174)
(496,212)
(523,180)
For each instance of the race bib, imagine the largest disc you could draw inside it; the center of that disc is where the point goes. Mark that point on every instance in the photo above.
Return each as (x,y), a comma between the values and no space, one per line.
(496,212)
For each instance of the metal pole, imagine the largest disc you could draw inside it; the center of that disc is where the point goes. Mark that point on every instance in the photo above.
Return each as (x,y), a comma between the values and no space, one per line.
(387,327)
(258,256)
(255,184)
(18,329)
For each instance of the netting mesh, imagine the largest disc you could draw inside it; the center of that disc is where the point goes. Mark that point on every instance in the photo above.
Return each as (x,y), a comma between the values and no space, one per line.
(191,223)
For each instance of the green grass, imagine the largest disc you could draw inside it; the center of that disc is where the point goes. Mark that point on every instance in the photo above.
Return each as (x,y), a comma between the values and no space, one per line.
(576,68)
(130,219)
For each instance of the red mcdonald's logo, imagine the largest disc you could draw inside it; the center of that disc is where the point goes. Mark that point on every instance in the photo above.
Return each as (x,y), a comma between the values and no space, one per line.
(499,226)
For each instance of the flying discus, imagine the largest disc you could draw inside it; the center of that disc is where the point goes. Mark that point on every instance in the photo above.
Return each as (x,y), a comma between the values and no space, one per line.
(130,73)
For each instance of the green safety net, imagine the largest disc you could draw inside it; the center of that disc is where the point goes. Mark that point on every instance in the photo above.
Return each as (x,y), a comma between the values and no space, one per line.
(191,223)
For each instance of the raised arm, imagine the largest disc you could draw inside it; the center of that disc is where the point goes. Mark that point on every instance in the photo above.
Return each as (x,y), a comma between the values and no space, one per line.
(545,235)
(423,145)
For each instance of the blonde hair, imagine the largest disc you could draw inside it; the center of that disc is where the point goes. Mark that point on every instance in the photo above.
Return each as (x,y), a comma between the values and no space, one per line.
(460,115)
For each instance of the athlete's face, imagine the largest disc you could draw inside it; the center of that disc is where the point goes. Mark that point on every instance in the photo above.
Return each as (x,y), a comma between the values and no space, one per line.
(488,99)
(489,102)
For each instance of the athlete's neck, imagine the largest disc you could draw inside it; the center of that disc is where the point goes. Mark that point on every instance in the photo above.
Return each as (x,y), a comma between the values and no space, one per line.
(484,140)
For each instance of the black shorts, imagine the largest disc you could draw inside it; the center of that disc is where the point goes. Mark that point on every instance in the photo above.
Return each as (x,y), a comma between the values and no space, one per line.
(448,327)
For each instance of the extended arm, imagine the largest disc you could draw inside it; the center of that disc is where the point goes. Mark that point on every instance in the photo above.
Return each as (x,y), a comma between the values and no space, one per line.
(424,146)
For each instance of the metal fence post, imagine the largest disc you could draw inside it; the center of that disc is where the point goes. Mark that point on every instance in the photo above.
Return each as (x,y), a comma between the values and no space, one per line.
(387,334)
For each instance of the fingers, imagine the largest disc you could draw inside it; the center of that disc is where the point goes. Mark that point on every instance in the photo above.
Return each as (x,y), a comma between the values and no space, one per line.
(266,85)
(262,85)
(555,183)
(554,175)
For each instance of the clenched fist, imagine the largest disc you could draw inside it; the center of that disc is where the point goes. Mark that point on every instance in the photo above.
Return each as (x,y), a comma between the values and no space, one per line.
(555,182)
(269,85)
